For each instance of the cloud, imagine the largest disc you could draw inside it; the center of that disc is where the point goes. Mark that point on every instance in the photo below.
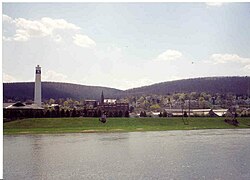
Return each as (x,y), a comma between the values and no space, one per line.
(25,29)
(169,55)
(8,78)
(58,24)
(7,19)
(54,76)
(83,41)
(218,4)
(41,28)
(227,58)
(21,35)
(46,27)
(57,38)
(6,38)
(230,61)
(247,68)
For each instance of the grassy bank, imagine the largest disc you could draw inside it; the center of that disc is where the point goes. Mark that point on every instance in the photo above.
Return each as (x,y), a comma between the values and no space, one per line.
(73,125)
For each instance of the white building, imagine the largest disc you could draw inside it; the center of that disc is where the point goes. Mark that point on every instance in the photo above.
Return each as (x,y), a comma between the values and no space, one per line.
(109,101)
(38,87)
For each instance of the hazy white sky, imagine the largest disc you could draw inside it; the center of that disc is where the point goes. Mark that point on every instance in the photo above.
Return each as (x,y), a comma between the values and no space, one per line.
(125,45)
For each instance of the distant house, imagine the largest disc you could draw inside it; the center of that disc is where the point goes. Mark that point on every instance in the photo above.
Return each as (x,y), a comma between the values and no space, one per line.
(110,101)
(21,106)
(90,104)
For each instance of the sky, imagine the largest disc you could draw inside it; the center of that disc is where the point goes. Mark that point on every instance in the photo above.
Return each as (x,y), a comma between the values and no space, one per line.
(124,45)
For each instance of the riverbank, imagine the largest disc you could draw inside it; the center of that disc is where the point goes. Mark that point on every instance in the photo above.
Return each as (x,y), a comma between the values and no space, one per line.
(90,125)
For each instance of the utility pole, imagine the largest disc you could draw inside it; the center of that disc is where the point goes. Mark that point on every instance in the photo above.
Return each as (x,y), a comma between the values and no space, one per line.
(248,92)
(189,107)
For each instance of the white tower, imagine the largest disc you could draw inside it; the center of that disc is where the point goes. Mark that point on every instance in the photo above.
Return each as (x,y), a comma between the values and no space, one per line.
(38,89)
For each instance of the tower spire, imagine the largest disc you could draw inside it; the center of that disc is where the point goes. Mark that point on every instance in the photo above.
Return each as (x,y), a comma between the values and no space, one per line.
(38,91)
(102,98)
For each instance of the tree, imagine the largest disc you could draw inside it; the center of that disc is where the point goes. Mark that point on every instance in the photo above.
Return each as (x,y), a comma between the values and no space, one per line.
(62,113)
(185,114)
(164,114)
(53,113)
(120,114)
(126,114)
(85,112)
(213,100)
(60,101)
(47,114)
(155,107)
(131,108)
(51,101)
(70,102)
(99,113)
(65,104)
(116,114)
(77,103)
(183,97)
(110,114)
(201,102)
(74,114)
(175,96)
(194,96)
(67,113)
(57,112)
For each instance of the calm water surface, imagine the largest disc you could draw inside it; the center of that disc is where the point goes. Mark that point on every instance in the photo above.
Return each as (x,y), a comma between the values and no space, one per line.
(199,154)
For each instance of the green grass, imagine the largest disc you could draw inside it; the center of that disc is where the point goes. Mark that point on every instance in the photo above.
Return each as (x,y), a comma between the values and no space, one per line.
(76,125)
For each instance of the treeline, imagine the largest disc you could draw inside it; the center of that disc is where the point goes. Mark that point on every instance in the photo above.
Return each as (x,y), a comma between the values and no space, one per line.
(59,113)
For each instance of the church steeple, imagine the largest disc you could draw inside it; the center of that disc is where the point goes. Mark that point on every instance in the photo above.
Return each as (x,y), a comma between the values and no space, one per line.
(102,98)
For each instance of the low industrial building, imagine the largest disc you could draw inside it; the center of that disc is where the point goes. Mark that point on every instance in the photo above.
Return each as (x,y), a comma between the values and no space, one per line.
(21,110)
(197,112)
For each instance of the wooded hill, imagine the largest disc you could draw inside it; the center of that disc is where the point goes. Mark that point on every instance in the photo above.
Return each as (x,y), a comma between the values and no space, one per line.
(25,90)
(212,85)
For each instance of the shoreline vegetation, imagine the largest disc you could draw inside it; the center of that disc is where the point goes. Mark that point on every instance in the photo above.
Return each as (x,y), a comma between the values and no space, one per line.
(93,125)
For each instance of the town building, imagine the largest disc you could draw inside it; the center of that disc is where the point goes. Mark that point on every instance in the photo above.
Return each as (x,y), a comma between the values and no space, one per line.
(90,104)
(112,107)
(12,111)
(197,112)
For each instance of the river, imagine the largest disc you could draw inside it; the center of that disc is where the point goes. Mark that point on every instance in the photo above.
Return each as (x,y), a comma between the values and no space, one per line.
(197,154)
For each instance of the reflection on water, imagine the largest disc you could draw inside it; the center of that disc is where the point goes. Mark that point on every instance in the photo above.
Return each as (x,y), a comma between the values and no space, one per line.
(199,154)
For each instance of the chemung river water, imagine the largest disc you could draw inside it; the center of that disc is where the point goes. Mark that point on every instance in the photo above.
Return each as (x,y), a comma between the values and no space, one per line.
(196,154)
